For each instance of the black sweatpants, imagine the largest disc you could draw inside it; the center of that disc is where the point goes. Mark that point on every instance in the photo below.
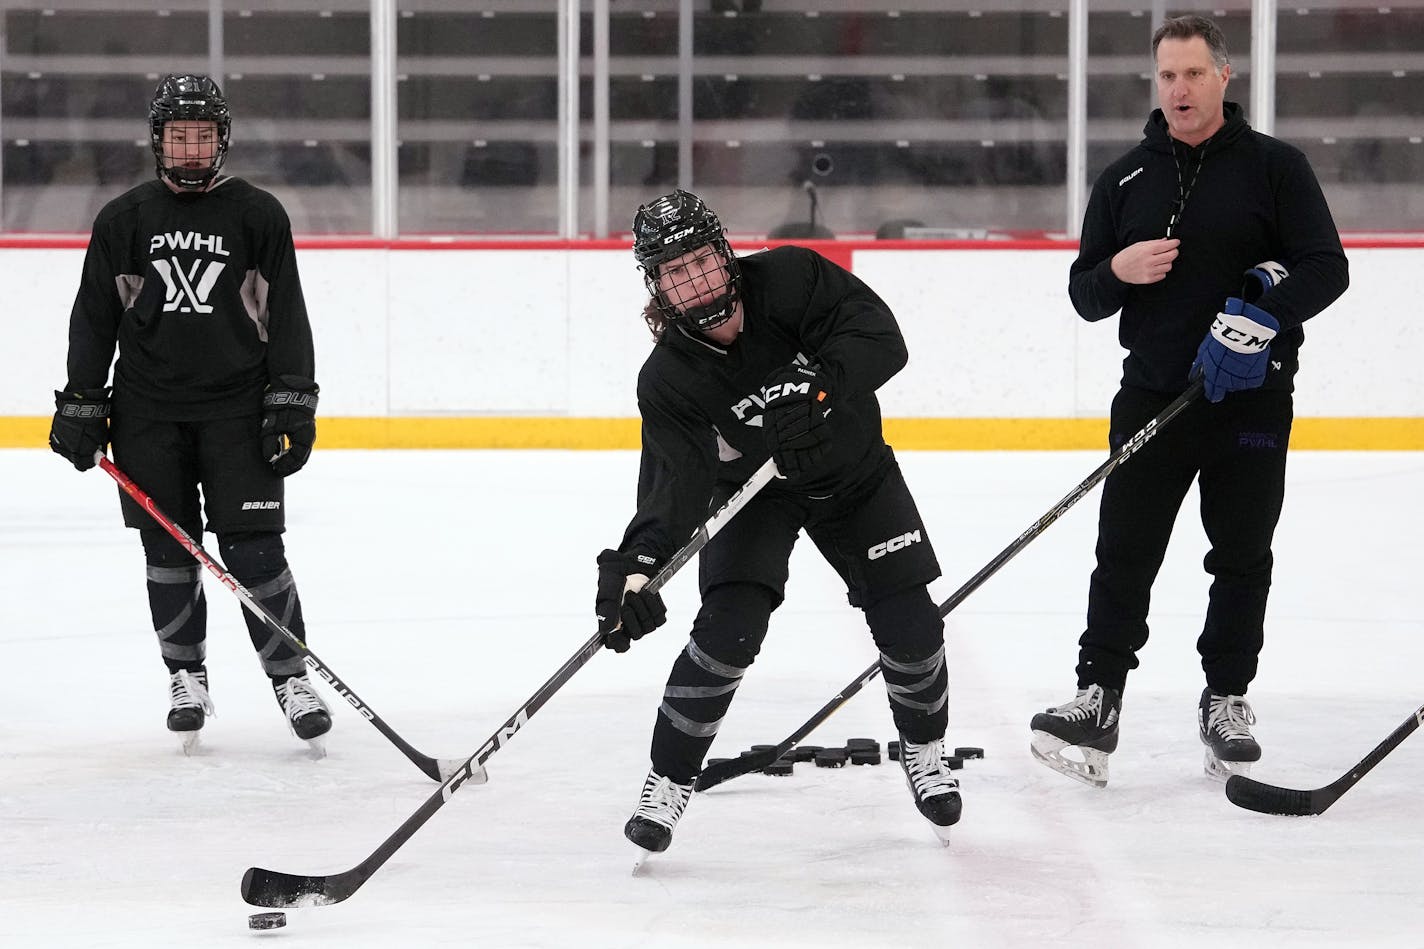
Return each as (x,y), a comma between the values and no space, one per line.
(1236,448)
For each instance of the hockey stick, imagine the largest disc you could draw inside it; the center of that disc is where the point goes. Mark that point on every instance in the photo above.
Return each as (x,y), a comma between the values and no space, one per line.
(276,889)
(715,774)
(1268,799)
(435,768)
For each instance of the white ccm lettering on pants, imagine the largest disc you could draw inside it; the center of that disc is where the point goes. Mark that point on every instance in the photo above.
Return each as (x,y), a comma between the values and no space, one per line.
(893,544)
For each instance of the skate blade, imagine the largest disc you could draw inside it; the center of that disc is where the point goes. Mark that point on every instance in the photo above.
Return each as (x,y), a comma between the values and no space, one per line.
(316,747)
(941,834)
(1219,770)
(190,742)
(640,858)
(1092,770)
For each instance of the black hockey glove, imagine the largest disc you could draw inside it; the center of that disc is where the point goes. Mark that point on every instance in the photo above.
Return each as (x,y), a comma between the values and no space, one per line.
(625,610)
(289,423)
(81,425)
(798,432)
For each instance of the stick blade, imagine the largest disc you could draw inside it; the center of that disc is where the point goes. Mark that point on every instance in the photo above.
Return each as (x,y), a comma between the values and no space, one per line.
(715,774)
(1264,798)
(278,890)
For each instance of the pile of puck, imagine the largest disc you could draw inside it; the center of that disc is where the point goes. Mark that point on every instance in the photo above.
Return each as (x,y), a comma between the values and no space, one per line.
(856,751)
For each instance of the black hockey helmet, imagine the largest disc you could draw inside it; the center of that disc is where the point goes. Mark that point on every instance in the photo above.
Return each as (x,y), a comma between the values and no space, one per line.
(188,97)
(677,224)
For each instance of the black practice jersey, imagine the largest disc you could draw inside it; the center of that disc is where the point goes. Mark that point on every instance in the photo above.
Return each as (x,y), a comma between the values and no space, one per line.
(701,402)
(199,291)
(1242,198)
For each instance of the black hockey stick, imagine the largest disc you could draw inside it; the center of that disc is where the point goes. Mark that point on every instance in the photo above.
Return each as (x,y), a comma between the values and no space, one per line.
(435,768)
(715,774)
(1268,799)
(276,889)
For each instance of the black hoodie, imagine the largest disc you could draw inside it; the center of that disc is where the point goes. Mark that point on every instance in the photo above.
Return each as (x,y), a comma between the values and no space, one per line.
(1254,199)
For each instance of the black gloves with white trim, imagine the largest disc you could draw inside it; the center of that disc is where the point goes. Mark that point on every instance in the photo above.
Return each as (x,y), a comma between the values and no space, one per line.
(625,610)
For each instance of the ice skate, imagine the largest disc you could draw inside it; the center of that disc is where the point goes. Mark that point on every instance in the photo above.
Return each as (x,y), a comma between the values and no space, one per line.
(307,715)
(1224,723)
(190,706)
(659,809)
(934,786)
(1088,724)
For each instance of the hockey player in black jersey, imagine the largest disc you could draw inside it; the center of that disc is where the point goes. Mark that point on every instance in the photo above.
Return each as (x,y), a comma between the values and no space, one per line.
(780,352)
(193,278)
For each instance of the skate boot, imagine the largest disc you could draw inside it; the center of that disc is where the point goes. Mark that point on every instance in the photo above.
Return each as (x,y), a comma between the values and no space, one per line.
(306,713)
(935,788)
(1089,724)
(659,809)
(190,705)
(1225,727)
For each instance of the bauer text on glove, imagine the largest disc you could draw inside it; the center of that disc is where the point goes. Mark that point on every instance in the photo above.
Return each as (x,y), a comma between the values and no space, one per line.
(80,428)
(289,423)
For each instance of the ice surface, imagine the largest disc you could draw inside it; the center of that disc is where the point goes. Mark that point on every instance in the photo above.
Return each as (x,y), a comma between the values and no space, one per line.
(446,586)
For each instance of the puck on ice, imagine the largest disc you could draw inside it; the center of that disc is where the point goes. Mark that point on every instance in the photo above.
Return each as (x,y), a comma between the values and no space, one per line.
(266,920)
(969,752)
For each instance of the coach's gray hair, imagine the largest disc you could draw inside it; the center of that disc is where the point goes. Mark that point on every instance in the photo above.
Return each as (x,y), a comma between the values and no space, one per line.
(1185,27)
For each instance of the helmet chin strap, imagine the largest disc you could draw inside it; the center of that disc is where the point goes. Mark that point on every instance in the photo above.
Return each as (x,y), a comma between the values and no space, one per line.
(711,315)
(193,181)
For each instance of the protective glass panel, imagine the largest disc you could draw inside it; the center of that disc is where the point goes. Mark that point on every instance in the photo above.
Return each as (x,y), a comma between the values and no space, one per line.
(477,117)
(299,83)
(865,119)
(1350,94)
(76,79)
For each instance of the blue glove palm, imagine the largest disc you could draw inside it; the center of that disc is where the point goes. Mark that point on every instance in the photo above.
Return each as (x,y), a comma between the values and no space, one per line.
(1237,350)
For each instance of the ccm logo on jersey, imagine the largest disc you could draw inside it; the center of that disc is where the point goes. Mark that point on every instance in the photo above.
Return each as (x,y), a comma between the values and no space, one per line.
(893,544)
(261,505)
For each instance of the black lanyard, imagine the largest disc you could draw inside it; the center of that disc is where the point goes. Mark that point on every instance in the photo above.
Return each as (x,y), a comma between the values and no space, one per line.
(1184,192)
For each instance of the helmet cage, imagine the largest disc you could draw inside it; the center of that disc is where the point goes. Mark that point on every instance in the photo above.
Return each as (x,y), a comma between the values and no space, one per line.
(674,225)
(188,98)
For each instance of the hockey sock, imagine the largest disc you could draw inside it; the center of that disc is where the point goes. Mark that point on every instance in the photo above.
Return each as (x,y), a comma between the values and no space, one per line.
(910,634)
(726,638)
(259,562)
(176,601)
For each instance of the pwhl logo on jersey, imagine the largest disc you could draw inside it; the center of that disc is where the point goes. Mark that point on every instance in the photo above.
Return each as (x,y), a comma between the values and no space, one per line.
(186,289)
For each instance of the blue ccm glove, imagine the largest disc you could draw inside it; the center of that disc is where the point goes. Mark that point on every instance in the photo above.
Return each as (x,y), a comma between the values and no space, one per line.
(1236,351)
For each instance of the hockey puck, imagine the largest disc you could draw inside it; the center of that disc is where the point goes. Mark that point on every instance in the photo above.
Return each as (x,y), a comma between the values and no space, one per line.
(781,767)
(893,749)
(967,753)
(865,756)
(953,762)
(266,920)
(861,744)
(804,752)
(830,758)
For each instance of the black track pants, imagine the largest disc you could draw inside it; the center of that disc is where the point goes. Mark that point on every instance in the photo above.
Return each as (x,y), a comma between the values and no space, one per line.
(1237,450)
